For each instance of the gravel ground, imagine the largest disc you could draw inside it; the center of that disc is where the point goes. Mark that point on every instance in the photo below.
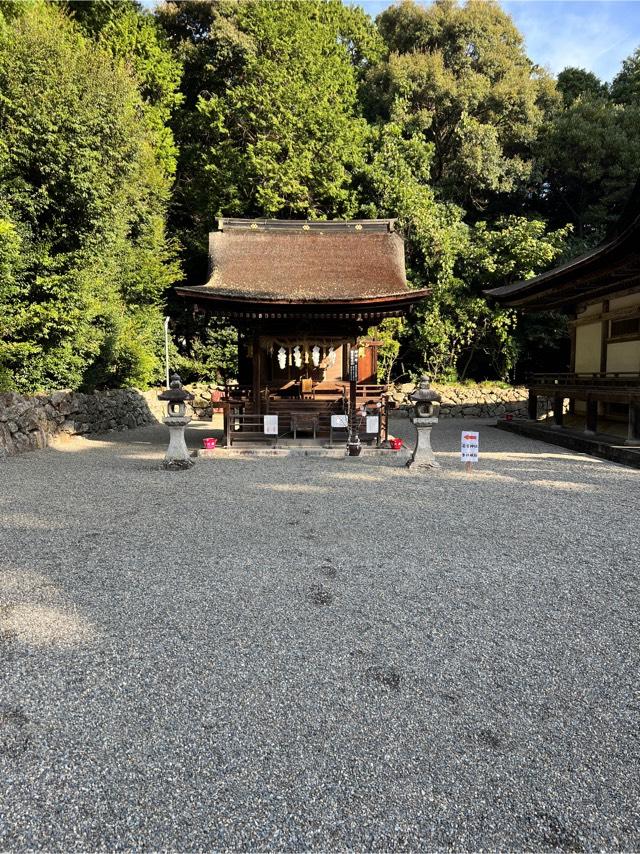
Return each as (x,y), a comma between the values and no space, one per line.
(303,653)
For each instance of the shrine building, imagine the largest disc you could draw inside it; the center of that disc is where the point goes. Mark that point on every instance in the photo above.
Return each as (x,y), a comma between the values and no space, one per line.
(600,292)
(303,295)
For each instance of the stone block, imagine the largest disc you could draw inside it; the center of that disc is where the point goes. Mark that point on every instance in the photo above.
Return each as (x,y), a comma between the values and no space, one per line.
(21,442)
(38,439)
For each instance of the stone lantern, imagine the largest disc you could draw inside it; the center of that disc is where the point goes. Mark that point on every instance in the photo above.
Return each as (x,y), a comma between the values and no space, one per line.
(426,411)
(177,456)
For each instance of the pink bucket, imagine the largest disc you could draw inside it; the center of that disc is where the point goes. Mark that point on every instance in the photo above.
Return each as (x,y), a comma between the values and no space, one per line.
(209,444)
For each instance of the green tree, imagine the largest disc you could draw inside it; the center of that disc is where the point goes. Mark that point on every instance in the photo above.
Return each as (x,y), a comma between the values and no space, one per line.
(269,124)
(574,83)
(508,250)
(625,88)
(459,76)
(135,39)
(84,190)
(588,163)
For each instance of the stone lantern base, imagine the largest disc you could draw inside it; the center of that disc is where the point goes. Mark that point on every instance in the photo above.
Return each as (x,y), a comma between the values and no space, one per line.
(423,456)
(177,456)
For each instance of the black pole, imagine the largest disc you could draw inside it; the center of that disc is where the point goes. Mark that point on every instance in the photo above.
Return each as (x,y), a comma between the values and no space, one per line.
(354,440)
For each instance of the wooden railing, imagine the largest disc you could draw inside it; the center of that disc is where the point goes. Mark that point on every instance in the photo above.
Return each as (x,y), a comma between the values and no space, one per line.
(241,426)
(599,387)
(607,379)
(364,391)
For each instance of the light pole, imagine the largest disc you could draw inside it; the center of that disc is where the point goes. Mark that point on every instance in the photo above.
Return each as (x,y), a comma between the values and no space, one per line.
(166,351)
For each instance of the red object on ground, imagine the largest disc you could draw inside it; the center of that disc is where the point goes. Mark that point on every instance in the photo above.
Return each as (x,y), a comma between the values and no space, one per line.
(396,444)
(209,444)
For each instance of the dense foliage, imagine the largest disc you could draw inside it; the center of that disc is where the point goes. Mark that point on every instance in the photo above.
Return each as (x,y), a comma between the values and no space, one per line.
(84,186)
(124,133)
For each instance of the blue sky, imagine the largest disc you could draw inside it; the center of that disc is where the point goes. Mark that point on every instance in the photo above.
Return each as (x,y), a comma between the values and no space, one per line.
(592,34)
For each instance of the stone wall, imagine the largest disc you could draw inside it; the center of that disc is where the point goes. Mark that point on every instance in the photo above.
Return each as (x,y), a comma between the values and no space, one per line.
(482,400)
(27,423)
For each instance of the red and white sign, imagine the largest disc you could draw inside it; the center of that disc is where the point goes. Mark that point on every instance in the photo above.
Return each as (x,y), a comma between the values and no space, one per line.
(469,446)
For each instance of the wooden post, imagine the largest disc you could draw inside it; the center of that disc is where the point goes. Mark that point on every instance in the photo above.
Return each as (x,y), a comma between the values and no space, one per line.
(257,370)
(558,406)
(353,443)
(591,425)
(227,424)
(533,405)
(604,334)
(633,435)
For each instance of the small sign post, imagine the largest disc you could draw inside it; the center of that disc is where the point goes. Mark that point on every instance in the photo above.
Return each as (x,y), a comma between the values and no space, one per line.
(469,446)
(270,425)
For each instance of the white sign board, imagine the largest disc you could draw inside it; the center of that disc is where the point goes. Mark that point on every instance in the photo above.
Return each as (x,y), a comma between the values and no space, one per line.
(340,421)
(469,444)
(372,423)
(271,425)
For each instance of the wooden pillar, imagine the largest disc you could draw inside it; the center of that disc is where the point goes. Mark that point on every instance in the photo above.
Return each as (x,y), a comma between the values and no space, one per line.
(257,371)
(532,405)
(558,414)
(591,425)
(604,334)
(572,362)
(633,436)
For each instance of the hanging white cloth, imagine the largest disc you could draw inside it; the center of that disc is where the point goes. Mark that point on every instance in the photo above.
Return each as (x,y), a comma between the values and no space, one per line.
(282,358)
(297,356)
(315,356)
(332,356)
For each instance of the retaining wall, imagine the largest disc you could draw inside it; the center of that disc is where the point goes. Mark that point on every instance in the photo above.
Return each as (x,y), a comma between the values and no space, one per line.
(28,423)
(479,401)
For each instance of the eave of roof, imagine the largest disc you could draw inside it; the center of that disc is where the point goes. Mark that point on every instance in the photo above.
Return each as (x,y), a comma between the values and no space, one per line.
(612,265)
(336,309)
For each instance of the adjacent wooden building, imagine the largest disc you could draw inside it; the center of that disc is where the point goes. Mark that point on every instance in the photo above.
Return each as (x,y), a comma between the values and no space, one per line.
(303,295)
(600,291)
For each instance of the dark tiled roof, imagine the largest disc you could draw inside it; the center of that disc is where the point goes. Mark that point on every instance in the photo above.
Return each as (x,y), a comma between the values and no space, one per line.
(293,261)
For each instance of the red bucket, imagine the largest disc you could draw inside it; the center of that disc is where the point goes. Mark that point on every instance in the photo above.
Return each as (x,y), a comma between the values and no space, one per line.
(209,444)
(396,444)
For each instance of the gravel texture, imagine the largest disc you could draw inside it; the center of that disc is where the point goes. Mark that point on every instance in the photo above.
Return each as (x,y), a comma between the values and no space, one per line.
(302,653)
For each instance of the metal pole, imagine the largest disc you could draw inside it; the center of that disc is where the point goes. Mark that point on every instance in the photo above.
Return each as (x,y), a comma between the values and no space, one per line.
(166,349)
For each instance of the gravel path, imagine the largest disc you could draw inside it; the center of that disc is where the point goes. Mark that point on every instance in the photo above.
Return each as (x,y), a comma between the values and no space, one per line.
(303,653)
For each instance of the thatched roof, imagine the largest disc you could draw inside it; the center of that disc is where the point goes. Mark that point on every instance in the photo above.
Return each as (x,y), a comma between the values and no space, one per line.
(293,261)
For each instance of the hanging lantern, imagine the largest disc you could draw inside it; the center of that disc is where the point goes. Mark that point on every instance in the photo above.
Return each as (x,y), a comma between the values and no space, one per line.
(297,356)
(315,356)
(282,358)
